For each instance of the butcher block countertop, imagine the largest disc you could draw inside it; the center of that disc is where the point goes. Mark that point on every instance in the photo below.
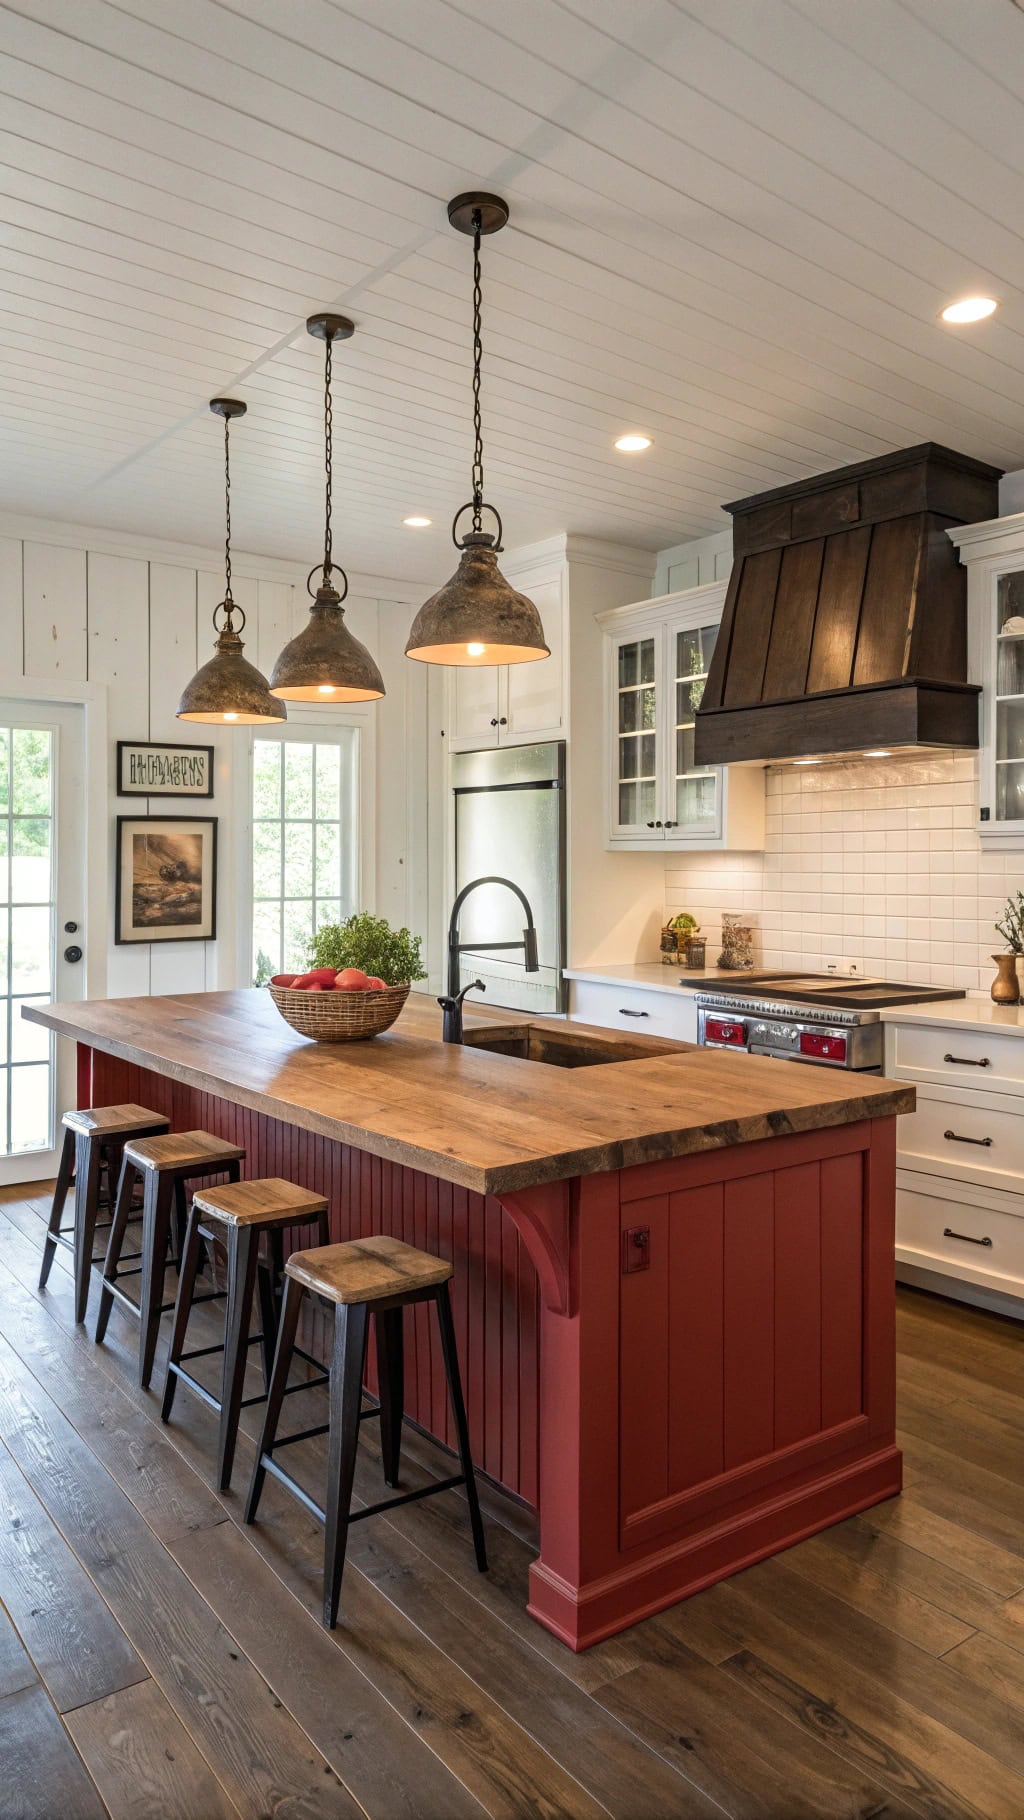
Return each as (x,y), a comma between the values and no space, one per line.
(490,1122)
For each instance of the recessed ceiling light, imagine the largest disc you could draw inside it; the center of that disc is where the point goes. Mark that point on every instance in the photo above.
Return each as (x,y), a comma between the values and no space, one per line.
(633,443)
(878,754)
(417,524)
(970,309)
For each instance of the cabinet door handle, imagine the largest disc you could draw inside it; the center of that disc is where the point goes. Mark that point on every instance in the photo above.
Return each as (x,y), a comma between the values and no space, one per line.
(503,722)
(494,723)
(967,1237)
(624,1013)
(968,1061)
(650,824)
(954,1137)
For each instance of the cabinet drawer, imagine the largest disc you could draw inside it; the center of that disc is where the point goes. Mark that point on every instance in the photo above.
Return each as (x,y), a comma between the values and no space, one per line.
(977,1137)
(649,1012)
(969,1058)
(959,1236)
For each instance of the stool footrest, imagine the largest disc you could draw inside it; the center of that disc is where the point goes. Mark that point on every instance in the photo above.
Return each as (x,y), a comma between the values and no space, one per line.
(269,1464)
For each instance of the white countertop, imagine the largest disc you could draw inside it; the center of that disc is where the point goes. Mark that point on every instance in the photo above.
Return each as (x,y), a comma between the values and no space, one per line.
(651,976)
(961,1014)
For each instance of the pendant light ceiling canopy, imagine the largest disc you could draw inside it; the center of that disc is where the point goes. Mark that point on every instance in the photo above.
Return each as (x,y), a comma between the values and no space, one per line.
(229,689)
(477,617)
(325,662)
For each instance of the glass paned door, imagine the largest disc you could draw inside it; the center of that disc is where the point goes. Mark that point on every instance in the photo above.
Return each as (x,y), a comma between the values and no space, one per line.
(304,843)
(695,788)
(1009,699)
(636,783)
(40,816)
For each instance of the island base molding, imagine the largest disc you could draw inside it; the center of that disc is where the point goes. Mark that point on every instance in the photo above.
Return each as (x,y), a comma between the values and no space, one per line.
(685,1365)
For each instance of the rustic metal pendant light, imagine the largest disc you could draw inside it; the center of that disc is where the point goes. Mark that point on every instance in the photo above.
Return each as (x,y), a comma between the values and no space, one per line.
(229,688)
(477,617)
(325,663)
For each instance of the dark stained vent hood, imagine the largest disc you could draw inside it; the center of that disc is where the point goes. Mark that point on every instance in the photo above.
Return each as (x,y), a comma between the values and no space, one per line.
(845,623)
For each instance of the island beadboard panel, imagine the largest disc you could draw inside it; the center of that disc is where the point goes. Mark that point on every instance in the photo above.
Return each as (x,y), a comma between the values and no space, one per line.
(495,1298)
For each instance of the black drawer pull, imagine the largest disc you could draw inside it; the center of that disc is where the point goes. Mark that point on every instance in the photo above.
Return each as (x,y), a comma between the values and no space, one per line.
(967,1237)
(955,1138)
(968,1061)
(624,1013)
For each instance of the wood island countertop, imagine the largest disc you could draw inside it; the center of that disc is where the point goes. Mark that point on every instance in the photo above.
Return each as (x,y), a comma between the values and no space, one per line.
(490,1122)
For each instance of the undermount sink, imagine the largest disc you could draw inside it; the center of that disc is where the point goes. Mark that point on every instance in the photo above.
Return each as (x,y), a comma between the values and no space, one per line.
(560,1048)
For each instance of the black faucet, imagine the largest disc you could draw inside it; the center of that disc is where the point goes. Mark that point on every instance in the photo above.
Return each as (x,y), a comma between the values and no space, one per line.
(452,1004)
(452,1008)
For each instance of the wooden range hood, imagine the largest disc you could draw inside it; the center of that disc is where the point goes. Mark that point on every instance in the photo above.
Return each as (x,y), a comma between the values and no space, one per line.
(845,623)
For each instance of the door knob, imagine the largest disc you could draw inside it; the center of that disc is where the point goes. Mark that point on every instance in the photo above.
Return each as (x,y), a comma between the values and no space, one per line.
(74,953)
(71,928)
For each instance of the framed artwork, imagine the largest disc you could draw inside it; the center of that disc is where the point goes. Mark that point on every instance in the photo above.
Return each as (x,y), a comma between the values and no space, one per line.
(166,878)
(146,768)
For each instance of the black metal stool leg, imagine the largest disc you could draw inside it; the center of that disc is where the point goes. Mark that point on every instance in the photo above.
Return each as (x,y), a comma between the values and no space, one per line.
(182,1309)
(60,1195)
(180,1223)
(243,1254)
(268,1316)
(387,1324)
(290,1306)
(87,1185)
(115,1242)
(156,1226)
(451,1366)
(346,1396)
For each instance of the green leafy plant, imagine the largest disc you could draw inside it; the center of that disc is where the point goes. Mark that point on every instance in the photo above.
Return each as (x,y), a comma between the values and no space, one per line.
(684,924)
(370,943)
(1011,928)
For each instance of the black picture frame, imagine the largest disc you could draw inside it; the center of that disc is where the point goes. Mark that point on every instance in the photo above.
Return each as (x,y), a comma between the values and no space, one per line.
(126,788)
(132,929)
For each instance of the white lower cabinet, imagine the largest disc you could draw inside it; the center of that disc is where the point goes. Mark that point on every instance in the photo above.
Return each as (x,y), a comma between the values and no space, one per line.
(643,1011)
(960,1157)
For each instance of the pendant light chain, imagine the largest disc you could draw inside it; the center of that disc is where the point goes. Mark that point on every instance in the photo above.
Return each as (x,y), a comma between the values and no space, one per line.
(328,470)
(228,601)
(478,348)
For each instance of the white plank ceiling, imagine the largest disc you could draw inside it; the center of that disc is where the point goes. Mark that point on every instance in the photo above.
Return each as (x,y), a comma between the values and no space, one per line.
(734,223)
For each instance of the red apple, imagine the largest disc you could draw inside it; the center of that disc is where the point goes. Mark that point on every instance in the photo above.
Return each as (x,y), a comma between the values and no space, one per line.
(374,984)
(352,979)
(284,979)
(324,976)
(302,982)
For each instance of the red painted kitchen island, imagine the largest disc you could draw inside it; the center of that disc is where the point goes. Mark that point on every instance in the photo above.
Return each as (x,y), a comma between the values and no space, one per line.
(673,1279)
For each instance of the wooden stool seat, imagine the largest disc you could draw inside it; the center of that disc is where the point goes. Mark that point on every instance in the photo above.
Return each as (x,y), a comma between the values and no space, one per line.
(273,1202)
(381,1276)
(367,1270)
(93,1143)
(115,1121)
(164,1162)
(237,1214)
(184,1153)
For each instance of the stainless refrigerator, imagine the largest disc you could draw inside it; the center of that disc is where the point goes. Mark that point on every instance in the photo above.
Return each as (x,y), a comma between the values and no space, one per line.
(510,821)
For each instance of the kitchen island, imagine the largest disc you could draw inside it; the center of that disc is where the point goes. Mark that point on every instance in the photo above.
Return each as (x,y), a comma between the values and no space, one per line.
(673,1267)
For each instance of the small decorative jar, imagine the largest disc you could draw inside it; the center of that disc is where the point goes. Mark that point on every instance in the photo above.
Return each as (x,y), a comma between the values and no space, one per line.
(1005,990)
(695,952)
(737,942)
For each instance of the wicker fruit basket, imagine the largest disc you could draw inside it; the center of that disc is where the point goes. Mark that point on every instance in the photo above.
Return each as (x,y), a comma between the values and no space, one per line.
(339,1017)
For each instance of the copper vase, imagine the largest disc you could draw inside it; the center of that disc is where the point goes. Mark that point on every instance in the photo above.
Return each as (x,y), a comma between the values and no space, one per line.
(1004,986)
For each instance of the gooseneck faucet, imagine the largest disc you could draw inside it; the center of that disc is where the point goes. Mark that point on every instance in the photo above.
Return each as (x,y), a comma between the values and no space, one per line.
(452,1003)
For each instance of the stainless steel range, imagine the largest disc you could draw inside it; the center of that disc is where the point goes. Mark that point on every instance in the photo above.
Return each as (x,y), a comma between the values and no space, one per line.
(819,1018)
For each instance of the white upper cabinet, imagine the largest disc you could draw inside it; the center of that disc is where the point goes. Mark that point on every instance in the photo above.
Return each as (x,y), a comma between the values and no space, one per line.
(993,554)
(515,704)
(658,655)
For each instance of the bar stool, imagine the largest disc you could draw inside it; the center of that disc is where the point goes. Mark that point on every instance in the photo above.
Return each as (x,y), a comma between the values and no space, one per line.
(165,1164)
(94,1138)
(384,1275)
(237,1215)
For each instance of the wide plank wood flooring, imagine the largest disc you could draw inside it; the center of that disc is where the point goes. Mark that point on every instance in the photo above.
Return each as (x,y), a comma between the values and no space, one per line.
(158,1661)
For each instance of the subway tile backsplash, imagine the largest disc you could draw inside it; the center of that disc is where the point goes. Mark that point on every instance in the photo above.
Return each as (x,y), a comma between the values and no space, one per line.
(873,860)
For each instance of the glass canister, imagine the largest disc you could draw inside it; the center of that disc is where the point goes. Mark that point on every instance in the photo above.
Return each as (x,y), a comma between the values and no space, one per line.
(737,942)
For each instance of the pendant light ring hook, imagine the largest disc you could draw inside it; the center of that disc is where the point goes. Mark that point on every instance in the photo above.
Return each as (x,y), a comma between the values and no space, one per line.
(476,507)
(331,569)
(229,607)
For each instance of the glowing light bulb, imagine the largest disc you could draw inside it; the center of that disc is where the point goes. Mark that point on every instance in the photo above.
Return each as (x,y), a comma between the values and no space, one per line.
(231,717)
(475,650)
(325,688)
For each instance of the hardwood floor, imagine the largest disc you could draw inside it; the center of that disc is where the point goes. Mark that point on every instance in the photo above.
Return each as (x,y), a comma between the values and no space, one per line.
(158,1659)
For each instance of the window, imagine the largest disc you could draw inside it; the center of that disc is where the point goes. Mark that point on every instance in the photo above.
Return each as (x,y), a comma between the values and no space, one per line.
(26,934)
(305,846)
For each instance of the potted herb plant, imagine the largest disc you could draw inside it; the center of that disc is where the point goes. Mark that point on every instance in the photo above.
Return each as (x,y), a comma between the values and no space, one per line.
(1008,985)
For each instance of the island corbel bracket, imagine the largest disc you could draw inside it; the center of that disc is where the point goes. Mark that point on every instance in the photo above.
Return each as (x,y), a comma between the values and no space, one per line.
(543,1218)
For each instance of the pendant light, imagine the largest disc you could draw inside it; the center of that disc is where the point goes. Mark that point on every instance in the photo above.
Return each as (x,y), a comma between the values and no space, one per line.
(229,688)
(325,663)
(477,617)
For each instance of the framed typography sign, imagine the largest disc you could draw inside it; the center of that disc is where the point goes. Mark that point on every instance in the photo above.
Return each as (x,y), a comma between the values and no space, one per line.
(145,768)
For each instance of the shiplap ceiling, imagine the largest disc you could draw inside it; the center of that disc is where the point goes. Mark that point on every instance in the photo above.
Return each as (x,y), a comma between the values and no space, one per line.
(734,223)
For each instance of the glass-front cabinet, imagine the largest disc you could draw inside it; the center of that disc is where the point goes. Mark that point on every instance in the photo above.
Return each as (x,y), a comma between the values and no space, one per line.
(993,554)
(659,652)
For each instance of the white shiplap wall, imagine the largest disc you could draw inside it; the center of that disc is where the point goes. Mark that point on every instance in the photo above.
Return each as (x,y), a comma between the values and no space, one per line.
(103,609)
